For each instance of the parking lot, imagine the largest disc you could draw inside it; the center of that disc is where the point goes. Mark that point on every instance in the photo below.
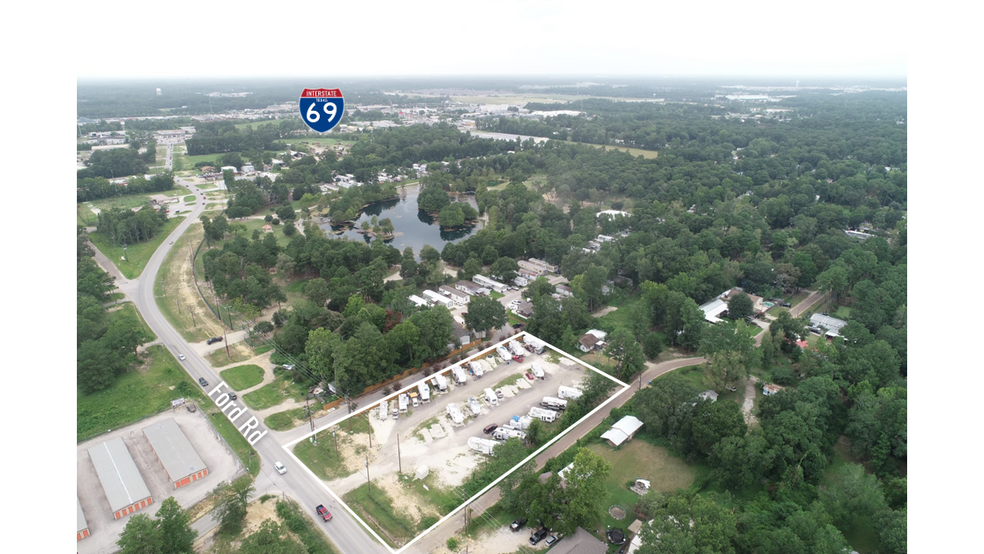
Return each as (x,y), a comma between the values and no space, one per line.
(221,462)
(428,437)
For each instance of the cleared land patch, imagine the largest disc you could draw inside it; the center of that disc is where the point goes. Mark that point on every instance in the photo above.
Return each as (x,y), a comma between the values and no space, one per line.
(243,377)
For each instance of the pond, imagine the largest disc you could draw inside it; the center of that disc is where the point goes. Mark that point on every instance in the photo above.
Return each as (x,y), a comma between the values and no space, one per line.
(414,228)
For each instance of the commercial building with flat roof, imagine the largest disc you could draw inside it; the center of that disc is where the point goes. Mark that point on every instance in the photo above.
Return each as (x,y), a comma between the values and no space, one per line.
(83,527)
(121,480)
(180,460)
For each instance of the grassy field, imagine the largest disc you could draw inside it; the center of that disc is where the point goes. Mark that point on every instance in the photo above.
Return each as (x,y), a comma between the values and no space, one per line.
(137,254)
(278,230)
(496,295)
(322,458)
(243,377)
(129,201)
(511,380)
(376,507)
(203,324)
(135,395)
(247,455)
(288,419)
(639,460)
(236,353)
(843,312)
(276,392)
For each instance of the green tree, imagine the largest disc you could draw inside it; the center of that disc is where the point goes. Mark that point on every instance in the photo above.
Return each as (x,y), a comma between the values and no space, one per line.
(472,267)
(728,349)
(176,532)
(540,287)
(408,264)
(504,269)
(714,421)
(624,350)
(230,508)
(535,432)
(271,538)
(451,216)
(740,306)
(484,314)
(142,535)
(317,291)
(584,494)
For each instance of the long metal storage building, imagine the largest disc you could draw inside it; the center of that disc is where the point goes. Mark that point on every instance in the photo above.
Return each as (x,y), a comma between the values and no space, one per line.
(121,480)
(83,527)
(180,460)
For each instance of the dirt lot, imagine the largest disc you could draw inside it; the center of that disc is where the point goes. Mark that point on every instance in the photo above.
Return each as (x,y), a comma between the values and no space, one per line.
(428,437)
(180,292)
(221,462)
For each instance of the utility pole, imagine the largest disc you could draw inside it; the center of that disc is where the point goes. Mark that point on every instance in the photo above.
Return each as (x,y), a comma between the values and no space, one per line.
(336,444)
(226,341)
(368,481)
(308,408)
(399,457)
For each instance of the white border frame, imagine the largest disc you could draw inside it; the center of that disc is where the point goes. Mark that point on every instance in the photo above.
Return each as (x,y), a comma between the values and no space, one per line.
(288,446)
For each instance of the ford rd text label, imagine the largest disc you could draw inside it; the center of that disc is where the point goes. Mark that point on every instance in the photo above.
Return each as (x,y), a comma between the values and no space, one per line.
(234,413)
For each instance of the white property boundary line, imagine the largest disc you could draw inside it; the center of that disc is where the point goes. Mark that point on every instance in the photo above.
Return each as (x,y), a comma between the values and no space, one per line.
(288,446)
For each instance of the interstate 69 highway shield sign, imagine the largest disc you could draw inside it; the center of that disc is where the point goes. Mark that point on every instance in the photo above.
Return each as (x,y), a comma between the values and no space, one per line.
(321,108)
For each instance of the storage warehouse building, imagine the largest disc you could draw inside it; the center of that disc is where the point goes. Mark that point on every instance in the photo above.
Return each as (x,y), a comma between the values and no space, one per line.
(179,458)
(83,527)
(121,481)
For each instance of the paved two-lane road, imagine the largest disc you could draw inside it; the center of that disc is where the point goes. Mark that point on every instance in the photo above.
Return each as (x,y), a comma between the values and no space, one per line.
(344,531)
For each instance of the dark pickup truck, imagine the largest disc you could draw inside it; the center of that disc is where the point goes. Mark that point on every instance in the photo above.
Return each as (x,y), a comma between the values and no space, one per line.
(323,512)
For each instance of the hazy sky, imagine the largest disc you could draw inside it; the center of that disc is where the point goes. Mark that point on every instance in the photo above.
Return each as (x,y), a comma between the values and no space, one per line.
(512,37)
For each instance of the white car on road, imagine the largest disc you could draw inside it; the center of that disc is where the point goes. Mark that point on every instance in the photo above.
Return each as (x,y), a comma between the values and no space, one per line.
(280,468)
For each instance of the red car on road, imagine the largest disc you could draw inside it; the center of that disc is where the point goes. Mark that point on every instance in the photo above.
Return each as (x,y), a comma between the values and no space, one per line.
(518,359)
(323,512)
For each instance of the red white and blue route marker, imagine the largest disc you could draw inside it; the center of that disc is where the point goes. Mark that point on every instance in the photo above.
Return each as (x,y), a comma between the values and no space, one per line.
(321,108)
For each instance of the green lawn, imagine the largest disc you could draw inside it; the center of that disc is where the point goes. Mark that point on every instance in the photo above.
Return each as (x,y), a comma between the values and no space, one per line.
(376,508)
(638,459)
(247,455)
(496,295)
(243,377)
(843,312)
(276,392)
(129,309)
(622,317)
(322,458)
(128,201)
(135,395)
(288,419)
(511,380)
(278,230)
(137,254)
(189,198)
(240,352)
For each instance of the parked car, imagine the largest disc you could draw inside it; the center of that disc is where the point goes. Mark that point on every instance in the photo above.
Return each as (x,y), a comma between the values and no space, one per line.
(517,325)
(323,512)
(213,340)
(552,540)
(538,536)
(517,524)
(202,382)
(518,359)
(233,396)
(498,392)
(785,304)
(529,376)
(281,469)
(489,428)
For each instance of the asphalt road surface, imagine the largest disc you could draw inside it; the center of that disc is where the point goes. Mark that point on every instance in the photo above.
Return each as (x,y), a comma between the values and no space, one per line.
(347,534)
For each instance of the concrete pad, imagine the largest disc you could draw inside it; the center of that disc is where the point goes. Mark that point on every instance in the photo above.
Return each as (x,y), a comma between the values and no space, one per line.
(436,431)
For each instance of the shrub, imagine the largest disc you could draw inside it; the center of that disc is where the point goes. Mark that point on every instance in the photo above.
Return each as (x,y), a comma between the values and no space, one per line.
(452,544)
(783,376)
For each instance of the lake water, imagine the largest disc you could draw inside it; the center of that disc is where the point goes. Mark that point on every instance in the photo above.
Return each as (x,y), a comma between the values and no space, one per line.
(414,228)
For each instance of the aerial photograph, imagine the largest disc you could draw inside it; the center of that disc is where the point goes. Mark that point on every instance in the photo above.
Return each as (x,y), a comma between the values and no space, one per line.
(493,279)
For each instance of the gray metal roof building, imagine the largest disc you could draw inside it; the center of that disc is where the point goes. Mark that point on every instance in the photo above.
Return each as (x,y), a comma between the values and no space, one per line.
(121,480)
(181,461)
(83,527)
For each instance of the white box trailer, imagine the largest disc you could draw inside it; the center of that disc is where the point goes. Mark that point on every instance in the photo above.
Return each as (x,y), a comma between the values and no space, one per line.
(506,433)
(404,401)
(568,392)
(425,394)
(460,377)
(384,410)
(504,354)
(455,415)
(485,446)
(516,349)
(474,406)
(538,371)
(536,344)
(477,369)
(521,423)
(553,403)
(491,397)
(442,383)
(548,416)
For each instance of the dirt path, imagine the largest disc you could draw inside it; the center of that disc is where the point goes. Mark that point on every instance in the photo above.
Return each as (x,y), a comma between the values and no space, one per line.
(605,310)
(749,401)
